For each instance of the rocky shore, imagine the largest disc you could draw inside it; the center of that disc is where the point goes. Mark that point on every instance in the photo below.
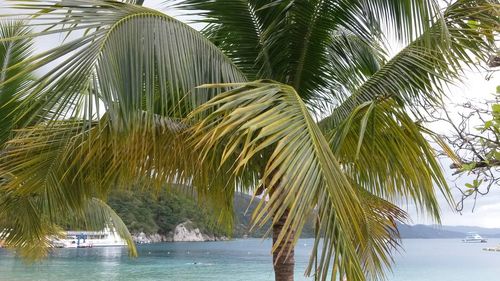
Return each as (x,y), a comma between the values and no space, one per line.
(184,232)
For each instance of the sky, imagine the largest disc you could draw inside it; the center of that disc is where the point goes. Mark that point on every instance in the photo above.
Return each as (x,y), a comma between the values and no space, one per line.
(473,86)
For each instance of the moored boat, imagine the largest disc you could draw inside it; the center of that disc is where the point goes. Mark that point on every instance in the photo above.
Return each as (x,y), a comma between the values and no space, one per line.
(89,239)
(473,237)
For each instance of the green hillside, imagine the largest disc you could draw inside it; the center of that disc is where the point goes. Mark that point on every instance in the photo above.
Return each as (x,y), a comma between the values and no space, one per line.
(144,212)
(141,211)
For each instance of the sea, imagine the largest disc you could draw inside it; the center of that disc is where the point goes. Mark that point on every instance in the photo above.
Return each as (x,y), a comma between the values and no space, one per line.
(244,260)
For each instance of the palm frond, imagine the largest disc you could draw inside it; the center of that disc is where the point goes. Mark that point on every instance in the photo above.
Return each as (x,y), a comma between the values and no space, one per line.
(107,113)
(382,233)
(23,226)
(315,22)
(351,61)
(28,174)
(288,41)
(79,162)
(28,227)
(375,251)
(12,53)
(314,25)
(169,60)
(421,71)
(239,28)
(69,164)
(383,150)
(268,120)
(405,18)
(280,40)
(97,215)
(50,188)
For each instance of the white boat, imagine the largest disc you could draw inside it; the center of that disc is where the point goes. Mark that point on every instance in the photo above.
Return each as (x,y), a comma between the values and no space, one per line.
(473,237)
(89,239)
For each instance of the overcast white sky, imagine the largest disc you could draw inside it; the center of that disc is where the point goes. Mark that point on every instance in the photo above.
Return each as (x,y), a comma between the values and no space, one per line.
(474,85)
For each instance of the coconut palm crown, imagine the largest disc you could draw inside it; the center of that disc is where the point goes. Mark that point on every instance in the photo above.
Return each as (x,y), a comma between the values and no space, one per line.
(296,101)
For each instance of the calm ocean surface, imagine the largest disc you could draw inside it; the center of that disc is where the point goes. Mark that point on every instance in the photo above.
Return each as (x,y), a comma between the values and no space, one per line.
(426,259)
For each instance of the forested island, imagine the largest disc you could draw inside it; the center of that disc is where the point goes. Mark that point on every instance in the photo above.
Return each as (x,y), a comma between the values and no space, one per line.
(144,212)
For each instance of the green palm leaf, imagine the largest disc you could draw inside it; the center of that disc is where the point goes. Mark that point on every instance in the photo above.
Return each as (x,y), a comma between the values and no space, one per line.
(97,215)
(382,234)
(113,110)
(27,226)
(421,71)
(265,117)
(12,53)
(169,58)
(288,40)
(384,151)
(37,195)
(245,20)
(351,60)
(406,18)
(76,163)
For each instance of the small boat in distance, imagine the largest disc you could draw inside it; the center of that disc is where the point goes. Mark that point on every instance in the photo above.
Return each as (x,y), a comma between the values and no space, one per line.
(492,249)
(89,239)
(473,237)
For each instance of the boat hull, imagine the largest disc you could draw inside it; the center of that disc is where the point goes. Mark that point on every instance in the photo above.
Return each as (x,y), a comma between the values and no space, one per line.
(473,237)
(89,239)
(474,240)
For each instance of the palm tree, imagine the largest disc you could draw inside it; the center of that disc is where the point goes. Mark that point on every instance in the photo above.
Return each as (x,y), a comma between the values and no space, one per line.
(130,81)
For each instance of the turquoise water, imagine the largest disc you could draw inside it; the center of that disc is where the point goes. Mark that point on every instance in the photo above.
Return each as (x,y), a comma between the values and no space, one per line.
(238,260)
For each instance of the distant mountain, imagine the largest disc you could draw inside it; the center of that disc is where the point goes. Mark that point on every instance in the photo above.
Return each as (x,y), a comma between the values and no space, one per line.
(427,231)
(143,212)
(444,231)
(243,209)
(486,232)
(159,214)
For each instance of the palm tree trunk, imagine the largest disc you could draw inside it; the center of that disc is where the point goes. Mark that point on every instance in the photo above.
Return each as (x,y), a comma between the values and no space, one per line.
(284,264)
